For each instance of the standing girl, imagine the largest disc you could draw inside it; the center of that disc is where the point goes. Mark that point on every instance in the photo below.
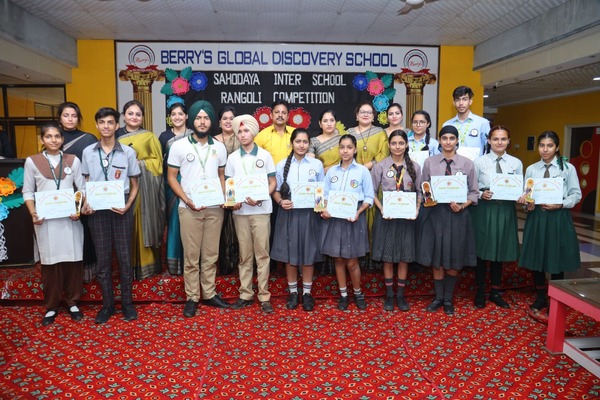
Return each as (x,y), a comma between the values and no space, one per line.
(394,239)
(60,240)
(178,130)
(419,137)
(395,118)
(550,242)
(494,221)
(297,230)
(347,240)
(149,208)
(446,240)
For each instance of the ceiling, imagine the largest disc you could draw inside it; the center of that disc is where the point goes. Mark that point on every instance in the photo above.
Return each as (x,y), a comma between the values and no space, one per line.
(440,22)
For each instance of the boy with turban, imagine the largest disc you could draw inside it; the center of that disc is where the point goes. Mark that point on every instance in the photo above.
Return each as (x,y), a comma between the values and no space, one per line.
(198,158)
(252,217)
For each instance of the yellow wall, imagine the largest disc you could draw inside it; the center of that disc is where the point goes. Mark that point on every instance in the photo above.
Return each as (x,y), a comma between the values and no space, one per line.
(531,119)
(94,81)
(456,69)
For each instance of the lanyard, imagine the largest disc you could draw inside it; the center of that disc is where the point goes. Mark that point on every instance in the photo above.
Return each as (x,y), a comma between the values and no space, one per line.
(397,178)
(106,163)
(248,156)
(56,180)
(462,134)
(202,162)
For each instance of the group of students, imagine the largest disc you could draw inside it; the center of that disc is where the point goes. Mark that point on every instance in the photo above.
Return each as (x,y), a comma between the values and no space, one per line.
(366,160)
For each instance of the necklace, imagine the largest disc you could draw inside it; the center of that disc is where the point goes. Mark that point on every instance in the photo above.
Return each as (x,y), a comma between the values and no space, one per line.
(363,139)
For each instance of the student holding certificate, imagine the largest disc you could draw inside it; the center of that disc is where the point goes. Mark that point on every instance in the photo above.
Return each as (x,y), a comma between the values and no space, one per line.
(446,240)
(419,137)
(495,221)
(110,162)
(250,216)
(346,239)
(297,230)
(394,239)
(59,240)
(549,229)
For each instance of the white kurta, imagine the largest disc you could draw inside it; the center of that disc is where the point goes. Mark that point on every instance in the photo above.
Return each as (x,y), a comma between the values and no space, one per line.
(61,239)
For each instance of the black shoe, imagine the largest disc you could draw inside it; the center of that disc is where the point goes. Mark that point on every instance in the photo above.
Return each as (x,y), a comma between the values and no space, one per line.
(189,310)
(388,303)
(76,315)
(479,301)
(361,303)
(402,304)
(266,307)
(241,303)
(217,301)
(435,305)
(448,308)
(539,304)
(499,301)
(129,312)
(292,302)
(49,320)
(343,303)
(104,315)
(308,302)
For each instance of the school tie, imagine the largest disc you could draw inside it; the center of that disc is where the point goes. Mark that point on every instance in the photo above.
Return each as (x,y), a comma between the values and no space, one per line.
(547,172)
(498,167)
(399,180)
(448,169)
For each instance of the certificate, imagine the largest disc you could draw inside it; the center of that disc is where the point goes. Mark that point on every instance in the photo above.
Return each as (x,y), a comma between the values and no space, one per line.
(419,156)
(548,190)
(207,192)
(254,186)
(470,152)
(342,204)
(506,186)
(450,188)
(104,195)
(55,203)
(303,194)
(400,205)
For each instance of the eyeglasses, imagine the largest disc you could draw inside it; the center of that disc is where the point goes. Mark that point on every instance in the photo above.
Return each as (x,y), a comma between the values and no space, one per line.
(361,112)
(419,123)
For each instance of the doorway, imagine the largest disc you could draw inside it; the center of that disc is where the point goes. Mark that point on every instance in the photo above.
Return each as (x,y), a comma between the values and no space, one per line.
(584,154)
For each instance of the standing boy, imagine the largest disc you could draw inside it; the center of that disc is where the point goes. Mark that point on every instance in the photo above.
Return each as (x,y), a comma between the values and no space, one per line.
(472,129)
(108,160)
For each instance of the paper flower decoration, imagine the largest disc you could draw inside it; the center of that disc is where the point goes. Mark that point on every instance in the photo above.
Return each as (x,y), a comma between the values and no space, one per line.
(381,103)
(382,118)
(360,82)
(263,116)
(299,118)
(7,186)
(375,87)
(3,212)
(340,127)
(199,81)
(180,86)
(174,100)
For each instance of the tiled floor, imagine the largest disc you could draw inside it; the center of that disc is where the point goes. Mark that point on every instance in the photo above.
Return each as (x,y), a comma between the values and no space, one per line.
(588,233)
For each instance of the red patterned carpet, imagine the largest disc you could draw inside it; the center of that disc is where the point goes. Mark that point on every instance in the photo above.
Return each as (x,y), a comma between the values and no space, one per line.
(223,354)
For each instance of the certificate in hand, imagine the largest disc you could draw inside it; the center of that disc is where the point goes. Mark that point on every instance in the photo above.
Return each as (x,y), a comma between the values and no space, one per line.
(104,195)
(254,186)
(450,188)
(207,192)
(342,204)
(400,205)
(303,194)
(53,204)
(506,186)
(548,191)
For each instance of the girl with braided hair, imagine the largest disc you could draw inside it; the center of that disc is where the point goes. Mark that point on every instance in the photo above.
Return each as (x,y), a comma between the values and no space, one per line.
(297,230)
(394,239)
(550,242)
(419,137)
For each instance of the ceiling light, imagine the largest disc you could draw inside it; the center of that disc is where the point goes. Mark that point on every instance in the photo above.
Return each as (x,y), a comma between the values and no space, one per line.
(596,78)
(485,96)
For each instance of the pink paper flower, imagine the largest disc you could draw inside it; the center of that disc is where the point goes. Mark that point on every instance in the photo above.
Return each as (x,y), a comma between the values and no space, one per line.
(375,87)
(180,86)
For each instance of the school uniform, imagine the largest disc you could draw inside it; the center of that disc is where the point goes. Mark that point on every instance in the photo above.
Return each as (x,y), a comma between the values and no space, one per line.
(394,239)
(107,226)
(473,131)
(549,239)
(296,238)
(252,224)
(495,221)
(446,239)
(340,237)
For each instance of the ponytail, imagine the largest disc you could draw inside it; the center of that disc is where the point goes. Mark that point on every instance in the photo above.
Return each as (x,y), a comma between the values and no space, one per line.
(285,190)
(410,167)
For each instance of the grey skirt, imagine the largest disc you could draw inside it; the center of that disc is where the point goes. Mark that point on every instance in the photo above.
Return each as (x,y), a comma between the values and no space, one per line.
(393,239)
(296,238)
(345,239)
